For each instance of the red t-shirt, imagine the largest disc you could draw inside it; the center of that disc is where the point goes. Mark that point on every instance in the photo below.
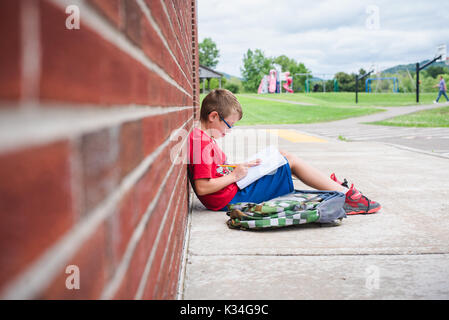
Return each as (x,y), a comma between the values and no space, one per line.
(204,157)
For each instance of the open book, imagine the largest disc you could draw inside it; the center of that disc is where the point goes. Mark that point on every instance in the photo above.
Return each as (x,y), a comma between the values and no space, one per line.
(271,160)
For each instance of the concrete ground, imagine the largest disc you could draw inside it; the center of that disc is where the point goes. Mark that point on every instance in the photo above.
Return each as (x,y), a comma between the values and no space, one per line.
(401,252)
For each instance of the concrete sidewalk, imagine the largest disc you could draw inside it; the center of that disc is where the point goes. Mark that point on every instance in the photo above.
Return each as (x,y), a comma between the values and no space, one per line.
(402,252)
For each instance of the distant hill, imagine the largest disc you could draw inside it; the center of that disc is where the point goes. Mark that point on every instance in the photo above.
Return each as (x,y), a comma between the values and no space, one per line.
(411,67)
(229,76)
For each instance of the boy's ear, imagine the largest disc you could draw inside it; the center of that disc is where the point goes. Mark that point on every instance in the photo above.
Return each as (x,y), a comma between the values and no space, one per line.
(212,116)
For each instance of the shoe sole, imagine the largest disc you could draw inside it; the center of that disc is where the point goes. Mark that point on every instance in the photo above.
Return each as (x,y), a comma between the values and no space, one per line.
(374,210)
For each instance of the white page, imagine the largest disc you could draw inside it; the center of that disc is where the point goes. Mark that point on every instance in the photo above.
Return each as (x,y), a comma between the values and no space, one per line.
(271,160)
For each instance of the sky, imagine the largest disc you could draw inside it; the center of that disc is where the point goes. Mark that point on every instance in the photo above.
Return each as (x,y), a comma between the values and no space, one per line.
(328,36)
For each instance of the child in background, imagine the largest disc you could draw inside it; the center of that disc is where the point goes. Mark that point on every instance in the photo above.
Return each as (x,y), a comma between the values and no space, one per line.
(216,186)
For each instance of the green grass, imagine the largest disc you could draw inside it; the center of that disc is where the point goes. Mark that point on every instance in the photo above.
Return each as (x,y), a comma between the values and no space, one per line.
(427,118)
(329,106)
(348,98)
(257,111)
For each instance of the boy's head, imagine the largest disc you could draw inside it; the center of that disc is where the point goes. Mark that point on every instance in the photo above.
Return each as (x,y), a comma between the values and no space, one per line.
(219,110)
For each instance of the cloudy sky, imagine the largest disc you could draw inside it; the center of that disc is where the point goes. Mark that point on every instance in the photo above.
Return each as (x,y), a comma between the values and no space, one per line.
(329,35)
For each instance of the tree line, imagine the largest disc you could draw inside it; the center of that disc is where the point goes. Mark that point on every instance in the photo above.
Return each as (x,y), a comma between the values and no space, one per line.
(256,64)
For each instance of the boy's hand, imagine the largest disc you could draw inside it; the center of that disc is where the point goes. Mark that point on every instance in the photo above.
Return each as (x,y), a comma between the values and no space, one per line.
(241,170)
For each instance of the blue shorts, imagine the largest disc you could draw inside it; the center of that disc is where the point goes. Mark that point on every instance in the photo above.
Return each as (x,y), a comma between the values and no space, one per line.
(266,188)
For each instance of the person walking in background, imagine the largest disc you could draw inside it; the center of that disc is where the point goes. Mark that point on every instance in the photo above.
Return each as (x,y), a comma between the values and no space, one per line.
(442,86)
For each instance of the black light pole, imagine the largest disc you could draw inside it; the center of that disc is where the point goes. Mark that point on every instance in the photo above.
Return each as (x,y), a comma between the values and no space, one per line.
(418,69)
(357,84)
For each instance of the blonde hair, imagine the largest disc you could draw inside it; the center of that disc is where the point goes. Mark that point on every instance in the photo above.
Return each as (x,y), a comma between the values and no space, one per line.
(221,100)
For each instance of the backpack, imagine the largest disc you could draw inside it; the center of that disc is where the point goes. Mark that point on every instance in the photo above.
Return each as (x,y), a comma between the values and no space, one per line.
(298,207)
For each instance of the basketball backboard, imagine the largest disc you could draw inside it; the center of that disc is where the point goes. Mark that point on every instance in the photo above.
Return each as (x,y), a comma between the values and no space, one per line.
(441,51)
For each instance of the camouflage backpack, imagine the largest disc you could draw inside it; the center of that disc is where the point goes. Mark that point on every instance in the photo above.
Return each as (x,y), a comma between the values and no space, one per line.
(298,207)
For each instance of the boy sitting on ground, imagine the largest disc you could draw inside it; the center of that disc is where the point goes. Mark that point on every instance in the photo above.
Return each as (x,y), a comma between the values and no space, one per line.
(216,186)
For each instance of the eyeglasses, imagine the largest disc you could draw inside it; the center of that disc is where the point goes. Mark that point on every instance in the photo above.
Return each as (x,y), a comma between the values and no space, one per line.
(230,127)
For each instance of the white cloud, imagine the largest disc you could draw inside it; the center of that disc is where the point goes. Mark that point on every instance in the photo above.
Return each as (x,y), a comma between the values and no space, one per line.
(328,36)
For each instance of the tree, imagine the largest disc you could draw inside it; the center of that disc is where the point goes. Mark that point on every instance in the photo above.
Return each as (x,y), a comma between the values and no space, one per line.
(294,68)
(346,82)
(255,66)
(208,53)
(435,71)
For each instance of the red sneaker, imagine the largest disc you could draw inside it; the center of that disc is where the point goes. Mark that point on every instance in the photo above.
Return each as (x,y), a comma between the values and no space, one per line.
(344,183)
(357,203)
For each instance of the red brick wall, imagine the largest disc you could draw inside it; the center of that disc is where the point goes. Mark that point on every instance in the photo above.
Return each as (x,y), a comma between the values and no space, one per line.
(89,173)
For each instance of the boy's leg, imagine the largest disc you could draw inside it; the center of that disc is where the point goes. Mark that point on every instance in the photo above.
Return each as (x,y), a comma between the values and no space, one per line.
(439,96)
(355,202)
(310,175)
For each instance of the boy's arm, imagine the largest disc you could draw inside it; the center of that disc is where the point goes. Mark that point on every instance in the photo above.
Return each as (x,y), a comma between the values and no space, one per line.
(207,186)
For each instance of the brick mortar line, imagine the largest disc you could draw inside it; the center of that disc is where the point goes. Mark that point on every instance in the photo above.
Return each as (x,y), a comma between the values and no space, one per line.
(114,284)
(49,123)
(42,271)
(147,12)
(101,26)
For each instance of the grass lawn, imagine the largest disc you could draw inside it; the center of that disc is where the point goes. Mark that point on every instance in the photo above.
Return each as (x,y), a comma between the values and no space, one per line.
(348,98)
(427,118)
(327,106)
(257,111)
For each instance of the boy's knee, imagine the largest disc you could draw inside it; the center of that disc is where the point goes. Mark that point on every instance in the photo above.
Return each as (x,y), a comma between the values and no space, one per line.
(284,153)
(288,155)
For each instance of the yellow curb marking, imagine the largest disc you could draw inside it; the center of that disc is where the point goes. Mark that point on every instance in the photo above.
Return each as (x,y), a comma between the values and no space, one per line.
(293,136)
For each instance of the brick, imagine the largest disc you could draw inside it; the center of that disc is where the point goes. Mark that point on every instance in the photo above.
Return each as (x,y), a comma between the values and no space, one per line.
(168,266)
(144,247)
(180,32)
(111,9)
(159,15)
(35,204)
(94,270)
(100,152)
(152,229)
(179,29)
(135,203)
(171,281)
(126,222)
(157,129)
(80,66)
(156,173)
(131,151)
(154,48)
(10,58)
(180,229)
(133,17)
(153,133)
(129,286)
